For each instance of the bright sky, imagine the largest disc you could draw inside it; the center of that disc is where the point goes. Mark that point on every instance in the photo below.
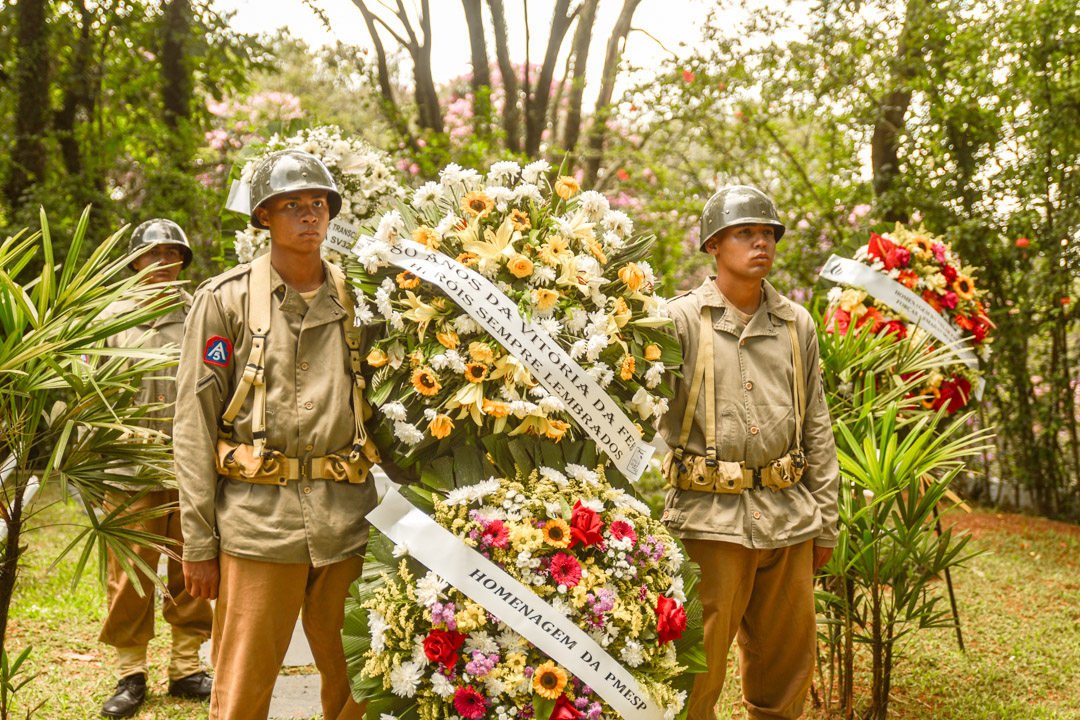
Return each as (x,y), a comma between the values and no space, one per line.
(671,22)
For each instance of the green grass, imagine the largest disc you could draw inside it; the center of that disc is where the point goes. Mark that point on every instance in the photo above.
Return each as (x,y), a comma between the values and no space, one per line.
(1019,605)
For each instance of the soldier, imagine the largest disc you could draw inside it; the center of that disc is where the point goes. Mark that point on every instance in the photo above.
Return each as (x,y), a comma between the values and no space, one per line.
(754,472)
(271,450)
(129,621)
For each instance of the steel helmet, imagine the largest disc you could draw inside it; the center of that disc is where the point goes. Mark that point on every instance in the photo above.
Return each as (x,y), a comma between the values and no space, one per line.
(160,231)
(738,205)
(288,171)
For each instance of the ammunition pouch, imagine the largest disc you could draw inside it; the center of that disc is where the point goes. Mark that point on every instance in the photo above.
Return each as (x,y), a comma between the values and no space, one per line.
(693,472)
(238,462)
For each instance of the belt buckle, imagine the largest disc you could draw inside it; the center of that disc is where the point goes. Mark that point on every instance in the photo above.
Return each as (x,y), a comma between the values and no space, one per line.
(757,479)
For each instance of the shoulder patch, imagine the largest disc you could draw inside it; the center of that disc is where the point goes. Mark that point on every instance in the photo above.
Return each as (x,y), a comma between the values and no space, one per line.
(218,351)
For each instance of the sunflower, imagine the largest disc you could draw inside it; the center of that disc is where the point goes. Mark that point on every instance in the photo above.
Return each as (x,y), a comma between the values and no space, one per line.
(425,381)
(566,187)
(477,204)
(557,533)
(406,280)
(652,352)
(520,220)
(923,248)
(468,258)
(476,372)
(441,426)
(964,286)
(426,237)
(549,680)
(377,358)
(626,370)
(930,397)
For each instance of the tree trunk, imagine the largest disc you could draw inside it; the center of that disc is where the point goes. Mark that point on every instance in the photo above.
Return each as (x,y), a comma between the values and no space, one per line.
(175,72)
(31,86)
(511,116)
(884,145)
(9,559)
(481,73)
(537,112)
(79,97)
(582,40)
(595,151)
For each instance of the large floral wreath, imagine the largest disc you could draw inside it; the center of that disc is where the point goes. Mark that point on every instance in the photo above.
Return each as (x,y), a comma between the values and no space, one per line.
(592,551)
(364,177)
(568,261)
(926,265)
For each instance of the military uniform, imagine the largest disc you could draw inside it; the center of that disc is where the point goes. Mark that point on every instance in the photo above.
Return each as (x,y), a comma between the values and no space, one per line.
(753,477)
(129,620)
(288,527)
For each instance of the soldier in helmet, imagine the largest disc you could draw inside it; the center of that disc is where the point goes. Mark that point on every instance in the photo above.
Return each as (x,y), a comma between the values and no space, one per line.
(272,453)
(129,621)
(753,475)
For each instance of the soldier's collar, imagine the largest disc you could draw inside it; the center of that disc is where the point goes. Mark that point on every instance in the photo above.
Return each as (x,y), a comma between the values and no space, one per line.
(775,303)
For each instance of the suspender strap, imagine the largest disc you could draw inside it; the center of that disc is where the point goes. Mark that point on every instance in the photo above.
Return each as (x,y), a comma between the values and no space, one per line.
(257,315)
(799,386)
(352,340)
(703,366)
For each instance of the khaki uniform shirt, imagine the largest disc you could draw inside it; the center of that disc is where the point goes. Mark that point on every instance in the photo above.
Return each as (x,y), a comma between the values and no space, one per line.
(308,414)
(159,386)
(755,423)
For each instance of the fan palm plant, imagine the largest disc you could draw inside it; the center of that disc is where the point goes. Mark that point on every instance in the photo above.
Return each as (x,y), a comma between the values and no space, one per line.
(67,416)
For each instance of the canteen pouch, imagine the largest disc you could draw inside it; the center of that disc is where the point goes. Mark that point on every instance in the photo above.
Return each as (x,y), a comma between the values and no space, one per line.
(723,477)
(785,471)
(238,461)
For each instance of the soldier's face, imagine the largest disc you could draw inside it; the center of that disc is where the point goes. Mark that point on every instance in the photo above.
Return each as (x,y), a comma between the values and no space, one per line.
(297,220)
(168,258)
(744,251)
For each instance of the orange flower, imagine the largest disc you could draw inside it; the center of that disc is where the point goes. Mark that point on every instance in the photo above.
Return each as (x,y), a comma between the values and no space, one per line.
(468,258)
(596,249)
(448,339)
(566,187)
(557,533)
(556,429)
(627,368)
(406,280)
(519,220)
(621,312)
(481,353)
(632,275)
(652,352)
(549,680)
(641,430)
(932,300)
(545,299)
(908,278)
(475,372)
(964,286)
(520,266)
(426,237)
(425,382)
(377,358)
(554,251)
(496,408)
(440,426)
(477,204)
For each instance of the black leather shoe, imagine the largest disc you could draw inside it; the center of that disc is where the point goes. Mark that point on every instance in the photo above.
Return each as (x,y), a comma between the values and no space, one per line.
(128,698)
(194,687)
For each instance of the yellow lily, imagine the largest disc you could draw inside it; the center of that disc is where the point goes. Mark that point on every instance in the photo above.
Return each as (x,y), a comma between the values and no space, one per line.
(419,312)
(495,244)
(512,372)
(470,398)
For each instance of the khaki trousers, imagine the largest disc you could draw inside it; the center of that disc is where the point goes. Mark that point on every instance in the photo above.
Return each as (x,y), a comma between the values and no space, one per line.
(256,611)
(766,598)
(129,621)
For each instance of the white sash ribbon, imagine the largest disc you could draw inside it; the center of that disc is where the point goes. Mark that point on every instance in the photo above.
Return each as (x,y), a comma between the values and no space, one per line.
(884,288)
(594,410)
(485,583)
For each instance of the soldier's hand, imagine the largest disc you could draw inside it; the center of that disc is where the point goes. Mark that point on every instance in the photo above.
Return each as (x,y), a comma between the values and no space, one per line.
(821,556)
(201,578)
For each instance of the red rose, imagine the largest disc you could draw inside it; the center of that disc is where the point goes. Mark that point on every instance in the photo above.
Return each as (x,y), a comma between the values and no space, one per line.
(441,646)
(879,248)
(838,321)
(670,619)
(949,272)
(564,710)
(894,327)
(954,394)
(585,526)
